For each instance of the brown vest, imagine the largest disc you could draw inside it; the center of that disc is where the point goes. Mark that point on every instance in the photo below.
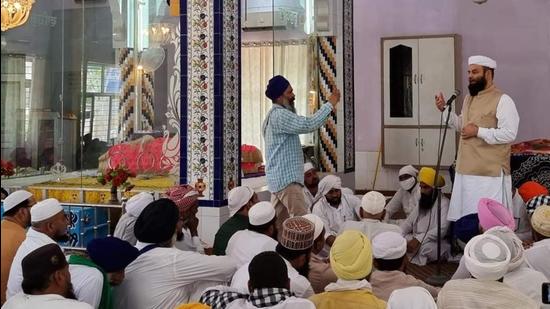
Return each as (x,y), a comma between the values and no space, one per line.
(475,156)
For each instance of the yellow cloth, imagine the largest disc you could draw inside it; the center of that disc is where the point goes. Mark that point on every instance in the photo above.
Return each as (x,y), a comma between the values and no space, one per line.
(427,176)
(540,221)
(193,306)
(351,256)
(12,237)
(347,299)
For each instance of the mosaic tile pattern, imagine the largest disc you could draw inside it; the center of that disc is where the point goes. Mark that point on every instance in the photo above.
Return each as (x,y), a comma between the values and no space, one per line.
(349,102)
(125,62)
(327,81)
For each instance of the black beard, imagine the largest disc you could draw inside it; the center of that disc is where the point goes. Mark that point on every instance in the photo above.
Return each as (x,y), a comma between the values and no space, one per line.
(335,201)
(426,201)
(62,238)
(179,236)
(477,86)
(304,270)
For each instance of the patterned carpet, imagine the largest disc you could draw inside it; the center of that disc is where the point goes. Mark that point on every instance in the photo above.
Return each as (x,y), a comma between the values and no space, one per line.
(423,272)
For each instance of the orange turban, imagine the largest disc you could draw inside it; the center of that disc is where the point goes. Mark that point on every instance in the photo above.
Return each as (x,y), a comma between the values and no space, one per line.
(530,189)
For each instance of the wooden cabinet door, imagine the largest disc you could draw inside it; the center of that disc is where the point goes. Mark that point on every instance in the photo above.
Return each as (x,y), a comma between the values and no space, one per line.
(401,146)
(428,143)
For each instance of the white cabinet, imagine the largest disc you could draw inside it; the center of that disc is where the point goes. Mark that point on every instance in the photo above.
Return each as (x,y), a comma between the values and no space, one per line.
(414,69)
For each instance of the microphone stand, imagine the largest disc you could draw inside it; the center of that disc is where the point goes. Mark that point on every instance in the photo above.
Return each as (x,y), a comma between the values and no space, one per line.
(438,279)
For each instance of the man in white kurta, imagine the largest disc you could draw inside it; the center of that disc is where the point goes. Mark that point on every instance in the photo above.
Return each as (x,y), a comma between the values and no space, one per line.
(259,237)
(125,226)
(87,281)
(406,197)
(488,125)
(311,185)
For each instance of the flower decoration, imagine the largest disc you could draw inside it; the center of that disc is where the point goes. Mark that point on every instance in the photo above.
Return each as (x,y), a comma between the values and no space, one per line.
(116,177)
(8,168)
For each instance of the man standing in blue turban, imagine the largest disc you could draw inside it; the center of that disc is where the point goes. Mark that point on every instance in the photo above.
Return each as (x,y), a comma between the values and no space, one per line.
(284,158)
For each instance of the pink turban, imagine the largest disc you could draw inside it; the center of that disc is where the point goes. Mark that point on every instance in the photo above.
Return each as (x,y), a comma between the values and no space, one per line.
(492,213)
(184,196)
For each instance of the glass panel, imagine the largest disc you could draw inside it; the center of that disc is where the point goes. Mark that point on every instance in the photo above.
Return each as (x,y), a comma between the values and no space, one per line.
(401,80)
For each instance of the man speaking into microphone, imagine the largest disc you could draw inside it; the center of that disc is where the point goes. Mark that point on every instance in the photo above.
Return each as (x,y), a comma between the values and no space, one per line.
(488,125)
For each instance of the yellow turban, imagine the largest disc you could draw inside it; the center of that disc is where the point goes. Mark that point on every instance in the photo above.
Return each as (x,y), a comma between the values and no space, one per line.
(193,306)
(427,176)
(540,221)
(351,256)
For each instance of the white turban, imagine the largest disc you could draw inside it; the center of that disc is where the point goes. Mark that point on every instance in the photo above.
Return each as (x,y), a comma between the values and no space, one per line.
(137,203)
(237,198)
(373,202)
(328,183)
(45,210)
(319,225)
(261,213)
(413,297)
(482,60)
(15,199)
(513,243)
(308,166)
(408,170)
(487,257)
(389,246)
(347,191)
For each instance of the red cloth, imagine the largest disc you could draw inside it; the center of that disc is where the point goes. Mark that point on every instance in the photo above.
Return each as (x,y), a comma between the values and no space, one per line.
(530,189)
(139,158)
(184,196)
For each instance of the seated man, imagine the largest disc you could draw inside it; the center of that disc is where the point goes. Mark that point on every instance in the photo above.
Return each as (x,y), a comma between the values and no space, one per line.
(372,212)
(295,248)
(334,208)
(125,227)
(163,276)
(239,200)
(420,228)
(187,200)
(259,237)
(406,197)
(268,287)
(320,273)
(487,258)
(390,259)
(351,260)
(311,185)
(46,282)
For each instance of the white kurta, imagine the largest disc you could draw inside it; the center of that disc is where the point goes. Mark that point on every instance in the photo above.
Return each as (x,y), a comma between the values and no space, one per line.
(333,218)
(299,285)
(370,227)
(289,303)
(528,281)
(167,277)
(47,301)
(87,284)
(469,189)
(245,245)
(422,225)
(523,226)
(125,228)
(189,242)
(537,257)
(310,199)
(403,199)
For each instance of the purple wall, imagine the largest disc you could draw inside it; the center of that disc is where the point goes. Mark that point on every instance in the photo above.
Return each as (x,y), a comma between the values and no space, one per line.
(516,33)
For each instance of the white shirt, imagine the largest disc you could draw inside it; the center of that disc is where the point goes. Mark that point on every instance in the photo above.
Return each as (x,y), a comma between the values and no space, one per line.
(47,301)
(370,227)
(166,277)
(404,199)
(87,284)
(245,245)
(469,189)
(299,285)
(528,281)
(289,303)
(310,199)
(333,218)
(523,226)
(537,257)
(125,228)
(189,242)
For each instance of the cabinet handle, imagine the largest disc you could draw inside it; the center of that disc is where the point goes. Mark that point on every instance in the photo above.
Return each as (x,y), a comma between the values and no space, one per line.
(421,78)
(416,142)
(422,144)
(415,78)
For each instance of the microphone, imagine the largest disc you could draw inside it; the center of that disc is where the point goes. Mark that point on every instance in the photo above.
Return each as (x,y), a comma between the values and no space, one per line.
(453,97)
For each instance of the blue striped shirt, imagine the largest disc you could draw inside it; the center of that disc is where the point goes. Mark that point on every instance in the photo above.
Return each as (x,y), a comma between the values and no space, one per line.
(285,160)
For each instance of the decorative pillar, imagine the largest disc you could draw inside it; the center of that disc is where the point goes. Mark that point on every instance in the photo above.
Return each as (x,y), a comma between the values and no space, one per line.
(348,89)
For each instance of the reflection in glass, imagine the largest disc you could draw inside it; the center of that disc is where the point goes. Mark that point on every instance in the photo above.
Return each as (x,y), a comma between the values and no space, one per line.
(401,82)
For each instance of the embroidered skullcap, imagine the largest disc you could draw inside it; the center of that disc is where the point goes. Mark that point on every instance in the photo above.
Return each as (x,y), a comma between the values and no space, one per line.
(111,254)
(308,166)
(487,257)
(15,199)
(413,297)
(492,213)
(537,201)
(389,246)
(373,202)
(408,170)
(298,233)
(427,176)
(530,189)
(184,196)
(261,213)
(513,243)
(351,256)
(276,86)
(138,202)
(540,221)
(237,198)
(483,61)
(157,222)
(45,209)
(319,225)
(328,183)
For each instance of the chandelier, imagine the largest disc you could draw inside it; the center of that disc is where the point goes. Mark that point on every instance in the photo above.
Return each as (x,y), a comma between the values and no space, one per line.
(159,33)
(15,13)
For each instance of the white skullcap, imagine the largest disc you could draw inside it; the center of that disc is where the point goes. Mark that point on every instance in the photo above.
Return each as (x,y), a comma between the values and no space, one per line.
(45,209)
(137,203)
(373,202)
(261,213)
(308,166)
(389,246)
(513,243)
(15,199)
(482,60)
(237,198)
(328,183)
(408,170)
(413,297)
(319,225)
(487,257)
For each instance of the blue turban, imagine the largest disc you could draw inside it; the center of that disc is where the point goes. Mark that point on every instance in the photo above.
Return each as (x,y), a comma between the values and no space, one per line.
(466,227)
(111,254)
(276,86)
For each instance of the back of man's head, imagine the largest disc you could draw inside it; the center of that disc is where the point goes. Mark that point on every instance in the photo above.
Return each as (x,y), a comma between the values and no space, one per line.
(39,266)
(268,270)
(157,222)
